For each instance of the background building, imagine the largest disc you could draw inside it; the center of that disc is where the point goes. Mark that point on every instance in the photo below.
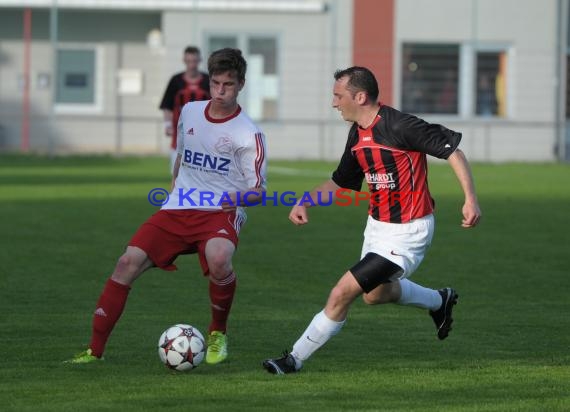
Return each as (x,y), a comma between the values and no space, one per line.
(494,70)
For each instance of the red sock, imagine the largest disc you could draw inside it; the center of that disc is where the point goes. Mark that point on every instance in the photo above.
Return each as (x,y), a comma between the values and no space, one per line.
(109,309)
(221,298)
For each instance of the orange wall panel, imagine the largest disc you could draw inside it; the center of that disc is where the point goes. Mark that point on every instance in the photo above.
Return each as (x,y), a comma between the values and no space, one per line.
(373,42)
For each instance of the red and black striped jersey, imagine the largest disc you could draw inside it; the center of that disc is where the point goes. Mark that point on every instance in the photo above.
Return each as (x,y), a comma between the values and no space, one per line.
(179,92)
(391,155)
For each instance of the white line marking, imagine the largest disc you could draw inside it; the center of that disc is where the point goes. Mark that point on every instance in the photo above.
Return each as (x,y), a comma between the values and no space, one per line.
(288,171)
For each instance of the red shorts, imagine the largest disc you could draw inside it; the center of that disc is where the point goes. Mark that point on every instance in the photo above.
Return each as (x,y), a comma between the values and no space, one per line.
(170,233)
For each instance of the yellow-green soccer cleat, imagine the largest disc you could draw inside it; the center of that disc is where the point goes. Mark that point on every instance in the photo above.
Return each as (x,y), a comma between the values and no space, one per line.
(217,348)
(84,357)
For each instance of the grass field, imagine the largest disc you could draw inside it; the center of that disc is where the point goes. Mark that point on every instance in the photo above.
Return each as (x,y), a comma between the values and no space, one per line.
(65,221)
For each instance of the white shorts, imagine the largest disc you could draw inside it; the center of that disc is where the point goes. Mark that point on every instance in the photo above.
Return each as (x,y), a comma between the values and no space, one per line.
(405,244)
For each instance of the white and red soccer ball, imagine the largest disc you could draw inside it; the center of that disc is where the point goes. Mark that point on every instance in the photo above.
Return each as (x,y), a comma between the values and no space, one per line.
(181,347)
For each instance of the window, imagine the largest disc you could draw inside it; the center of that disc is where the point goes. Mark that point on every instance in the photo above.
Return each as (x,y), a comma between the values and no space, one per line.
(490,84)
(262,99)
(430,78)
(75,77)
(78,79)
(260,96)
(220,42)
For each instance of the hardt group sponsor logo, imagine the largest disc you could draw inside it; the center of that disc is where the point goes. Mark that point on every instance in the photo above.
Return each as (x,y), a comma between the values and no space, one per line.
(381,180)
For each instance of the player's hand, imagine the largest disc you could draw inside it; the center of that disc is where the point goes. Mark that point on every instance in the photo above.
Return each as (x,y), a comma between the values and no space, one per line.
(471,214)
(231,205)
(298,215)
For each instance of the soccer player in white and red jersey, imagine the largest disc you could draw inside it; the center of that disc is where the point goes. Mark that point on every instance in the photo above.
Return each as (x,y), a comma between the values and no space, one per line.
(188,86)
(221,152)
(388,149)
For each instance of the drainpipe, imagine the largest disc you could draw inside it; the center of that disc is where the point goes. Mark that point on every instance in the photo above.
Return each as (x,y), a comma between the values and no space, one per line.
(25,132)
(53,18)
(560,84)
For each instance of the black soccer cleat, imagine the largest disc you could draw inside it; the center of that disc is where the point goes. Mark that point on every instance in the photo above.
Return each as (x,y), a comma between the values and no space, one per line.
(442,317)
(281,366)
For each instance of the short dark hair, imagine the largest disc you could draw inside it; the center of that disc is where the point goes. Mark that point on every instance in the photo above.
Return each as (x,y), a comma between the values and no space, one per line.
(360,79)
(191,50)
(227,59)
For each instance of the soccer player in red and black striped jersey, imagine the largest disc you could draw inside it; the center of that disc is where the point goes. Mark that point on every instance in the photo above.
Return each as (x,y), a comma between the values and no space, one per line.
(388,149)
(187,86)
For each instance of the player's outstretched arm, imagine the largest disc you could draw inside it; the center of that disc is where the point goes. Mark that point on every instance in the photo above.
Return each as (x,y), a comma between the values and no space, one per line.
(471,211)
(175,171)
(167,116)
(327,190)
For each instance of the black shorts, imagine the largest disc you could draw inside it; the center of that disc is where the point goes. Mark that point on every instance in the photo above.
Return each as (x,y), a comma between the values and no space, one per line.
(374,270)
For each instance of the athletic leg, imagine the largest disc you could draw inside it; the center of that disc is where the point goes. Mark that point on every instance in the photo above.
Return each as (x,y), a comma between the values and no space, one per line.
(364,276)
(324,326)
(114,296)
(329,321)
(384,239)
(385,293)
(219,253)
(404,292)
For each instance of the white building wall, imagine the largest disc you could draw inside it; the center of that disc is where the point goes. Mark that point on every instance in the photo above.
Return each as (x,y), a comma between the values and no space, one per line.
(528,29)
(311,47)
(129,124)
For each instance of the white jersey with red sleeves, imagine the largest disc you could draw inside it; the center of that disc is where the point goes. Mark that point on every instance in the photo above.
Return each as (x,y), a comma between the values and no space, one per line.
(218,156)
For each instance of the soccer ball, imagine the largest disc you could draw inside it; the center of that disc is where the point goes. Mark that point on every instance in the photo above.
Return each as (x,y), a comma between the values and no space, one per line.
(181,347)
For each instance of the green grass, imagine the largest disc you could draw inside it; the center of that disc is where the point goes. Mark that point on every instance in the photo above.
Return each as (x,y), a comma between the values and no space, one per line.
(64,221)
